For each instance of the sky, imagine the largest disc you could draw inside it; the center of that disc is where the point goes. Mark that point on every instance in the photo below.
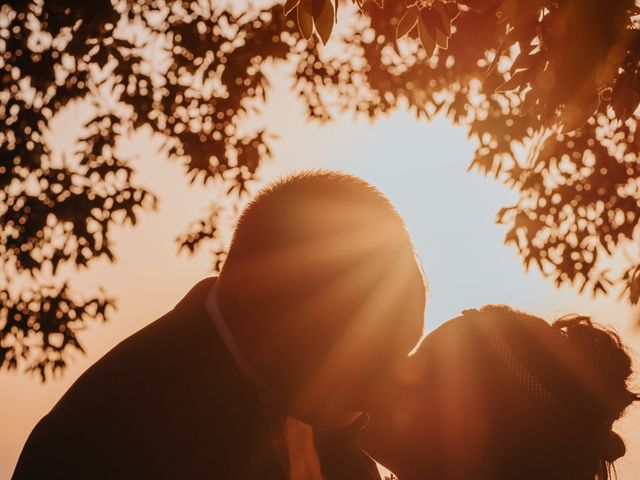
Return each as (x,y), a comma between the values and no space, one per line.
(420,166)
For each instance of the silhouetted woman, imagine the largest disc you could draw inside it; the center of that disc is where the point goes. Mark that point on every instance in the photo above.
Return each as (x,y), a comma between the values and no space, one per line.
(498,394)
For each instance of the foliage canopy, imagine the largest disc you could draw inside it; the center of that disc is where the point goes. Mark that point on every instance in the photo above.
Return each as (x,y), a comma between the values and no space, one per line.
(549,88)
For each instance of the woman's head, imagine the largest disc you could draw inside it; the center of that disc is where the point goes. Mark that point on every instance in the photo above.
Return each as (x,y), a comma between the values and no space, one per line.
(500,394)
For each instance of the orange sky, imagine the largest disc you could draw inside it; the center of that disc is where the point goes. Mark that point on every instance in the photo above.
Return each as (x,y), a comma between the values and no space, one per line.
(420,166)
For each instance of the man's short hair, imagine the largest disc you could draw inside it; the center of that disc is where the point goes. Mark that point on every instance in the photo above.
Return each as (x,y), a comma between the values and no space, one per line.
(321,268)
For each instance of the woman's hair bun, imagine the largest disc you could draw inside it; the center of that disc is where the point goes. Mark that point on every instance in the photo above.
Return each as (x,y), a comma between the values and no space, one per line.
(601,369)
(603,366)
(613,447)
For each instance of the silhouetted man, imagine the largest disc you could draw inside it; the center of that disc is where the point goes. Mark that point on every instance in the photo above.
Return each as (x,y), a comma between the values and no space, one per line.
(262,373)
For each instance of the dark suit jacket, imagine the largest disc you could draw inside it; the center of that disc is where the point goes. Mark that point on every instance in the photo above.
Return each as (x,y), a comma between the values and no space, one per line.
(168,402)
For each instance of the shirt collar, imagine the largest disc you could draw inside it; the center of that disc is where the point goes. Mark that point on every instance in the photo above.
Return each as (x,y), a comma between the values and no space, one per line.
(294,443)
(211,305)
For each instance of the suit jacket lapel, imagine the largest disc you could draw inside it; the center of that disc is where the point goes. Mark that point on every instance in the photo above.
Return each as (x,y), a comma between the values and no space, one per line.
(243,417)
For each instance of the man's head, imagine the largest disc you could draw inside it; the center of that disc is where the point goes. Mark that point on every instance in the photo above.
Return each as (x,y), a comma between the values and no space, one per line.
(322,290)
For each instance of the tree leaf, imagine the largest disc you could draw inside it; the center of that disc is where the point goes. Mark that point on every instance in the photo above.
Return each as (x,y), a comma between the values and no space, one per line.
(442,40)
(623,100)
(575,116)
(633,284)
(514,83)
(430,19)
(428,42)
(433,20)
(453,10)
(324,20)
(290,5)
(407,22)
(440,20)
(305,19)
(445,25)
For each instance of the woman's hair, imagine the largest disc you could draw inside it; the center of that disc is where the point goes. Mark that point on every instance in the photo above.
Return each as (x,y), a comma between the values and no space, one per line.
(599,394)
(509,396)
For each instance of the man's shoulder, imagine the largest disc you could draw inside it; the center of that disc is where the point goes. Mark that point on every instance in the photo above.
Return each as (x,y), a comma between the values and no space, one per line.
(156,350)
(125,392)
(186,323)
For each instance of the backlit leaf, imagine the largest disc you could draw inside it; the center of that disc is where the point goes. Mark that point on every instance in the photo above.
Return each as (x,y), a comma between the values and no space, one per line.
(442,40)
(430,19)
(408,21)
(445,25)
(514,83)
(452,10)
(324,21)
(575,116)
(290,5)
(428,42)
(305,18)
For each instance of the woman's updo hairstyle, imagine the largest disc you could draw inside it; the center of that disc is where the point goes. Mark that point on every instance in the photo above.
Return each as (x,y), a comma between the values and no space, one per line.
(598,394)
(550,392)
